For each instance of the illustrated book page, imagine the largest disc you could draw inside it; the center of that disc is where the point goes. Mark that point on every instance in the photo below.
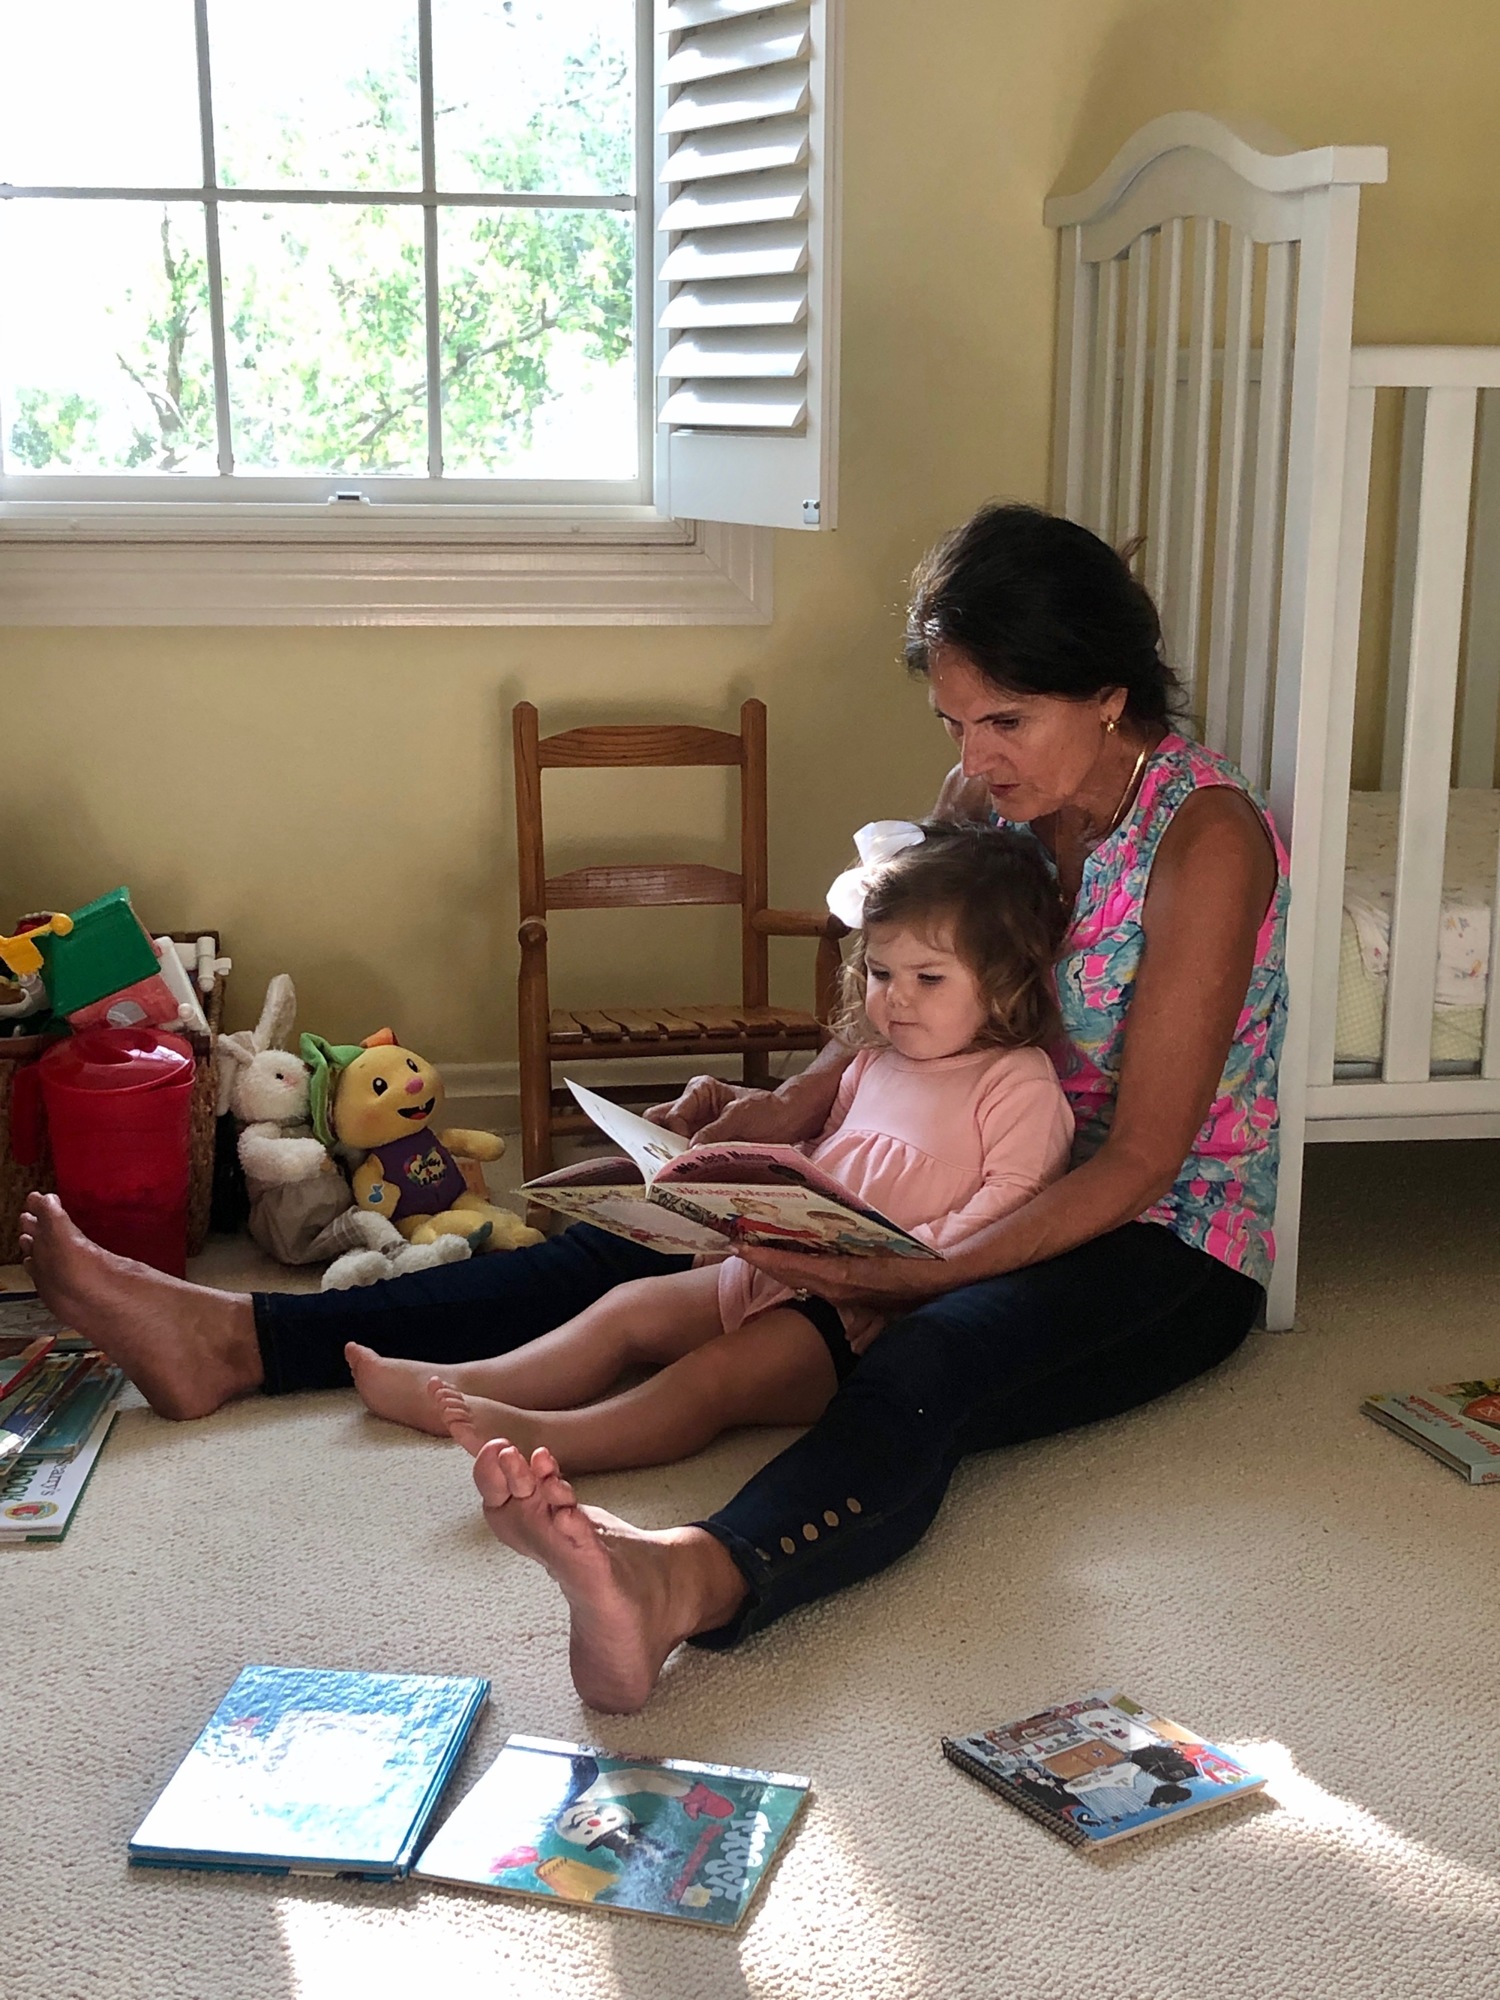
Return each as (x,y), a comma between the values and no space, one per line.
(670,1196)
(664,1839)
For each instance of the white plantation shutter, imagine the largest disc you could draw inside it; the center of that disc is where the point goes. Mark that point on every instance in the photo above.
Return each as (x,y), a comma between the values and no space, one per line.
(747,260)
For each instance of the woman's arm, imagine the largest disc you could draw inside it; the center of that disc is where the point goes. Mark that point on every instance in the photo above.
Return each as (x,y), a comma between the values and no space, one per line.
(1211,884)
(710,1109)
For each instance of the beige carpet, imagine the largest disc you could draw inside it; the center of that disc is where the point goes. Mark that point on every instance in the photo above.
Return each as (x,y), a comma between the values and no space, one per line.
(1251,1556)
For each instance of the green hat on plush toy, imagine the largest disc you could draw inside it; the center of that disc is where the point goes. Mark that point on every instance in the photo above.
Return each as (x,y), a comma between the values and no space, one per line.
(325,1060)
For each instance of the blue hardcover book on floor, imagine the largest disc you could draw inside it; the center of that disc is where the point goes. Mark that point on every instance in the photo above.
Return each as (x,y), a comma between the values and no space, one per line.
(307,1771)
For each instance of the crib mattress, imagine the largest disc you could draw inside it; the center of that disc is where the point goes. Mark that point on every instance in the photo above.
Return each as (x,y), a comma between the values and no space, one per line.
(1464,935)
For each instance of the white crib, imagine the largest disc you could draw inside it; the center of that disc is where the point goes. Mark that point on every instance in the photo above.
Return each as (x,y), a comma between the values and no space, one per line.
(1209,396)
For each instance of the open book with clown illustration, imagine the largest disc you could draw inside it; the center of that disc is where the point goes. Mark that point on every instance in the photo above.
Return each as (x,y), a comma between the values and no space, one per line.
(665,1839)
(667,1194)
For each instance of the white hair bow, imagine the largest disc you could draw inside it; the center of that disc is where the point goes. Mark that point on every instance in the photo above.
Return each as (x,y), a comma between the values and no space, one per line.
(877,844)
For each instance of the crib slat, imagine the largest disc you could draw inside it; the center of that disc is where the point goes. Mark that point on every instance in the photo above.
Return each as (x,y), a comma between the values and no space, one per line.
(1265,512)
(1403,570)
(1188,598)
(1104,430)
(1233,407)
(1164,411)
(1328,927)
(1442,535)
(1480,716)
(1127,523)
(1075,336)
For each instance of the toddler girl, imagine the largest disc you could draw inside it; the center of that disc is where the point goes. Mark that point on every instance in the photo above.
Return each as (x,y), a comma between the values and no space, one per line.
(949,1117)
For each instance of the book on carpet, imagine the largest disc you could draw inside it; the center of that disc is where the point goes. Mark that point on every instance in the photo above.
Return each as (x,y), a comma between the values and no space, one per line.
(22,1313)
(312,1771)
(662,1838)
(1458,1422)
(39,1496)
(19,1355)
(74,1416)
(670,1195)
(25,1413)
(1100,1768)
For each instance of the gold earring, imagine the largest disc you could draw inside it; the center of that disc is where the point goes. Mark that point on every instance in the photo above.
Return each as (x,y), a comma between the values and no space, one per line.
(1110,726)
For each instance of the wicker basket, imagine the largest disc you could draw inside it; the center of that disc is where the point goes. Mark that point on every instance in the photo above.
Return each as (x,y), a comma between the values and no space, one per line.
(17,1181)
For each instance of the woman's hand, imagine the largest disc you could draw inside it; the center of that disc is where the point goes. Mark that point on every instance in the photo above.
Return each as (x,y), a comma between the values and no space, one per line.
(702,1103)
(710,1109)
(888,1284)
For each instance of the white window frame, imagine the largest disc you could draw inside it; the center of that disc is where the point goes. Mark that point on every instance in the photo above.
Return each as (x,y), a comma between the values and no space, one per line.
(343,562)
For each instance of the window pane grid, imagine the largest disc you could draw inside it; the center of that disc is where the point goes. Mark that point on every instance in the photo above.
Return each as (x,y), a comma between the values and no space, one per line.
(224,435)
(430,243)
(212,197)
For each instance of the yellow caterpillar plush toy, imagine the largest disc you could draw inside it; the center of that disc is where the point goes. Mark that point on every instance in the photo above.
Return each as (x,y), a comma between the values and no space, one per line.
(380,1099)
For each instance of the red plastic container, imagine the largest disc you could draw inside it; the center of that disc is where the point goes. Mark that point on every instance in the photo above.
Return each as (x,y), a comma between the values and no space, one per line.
(116,1103)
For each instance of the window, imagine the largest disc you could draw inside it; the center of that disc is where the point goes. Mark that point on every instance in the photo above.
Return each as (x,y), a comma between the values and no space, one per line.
(357,308)
(358,250)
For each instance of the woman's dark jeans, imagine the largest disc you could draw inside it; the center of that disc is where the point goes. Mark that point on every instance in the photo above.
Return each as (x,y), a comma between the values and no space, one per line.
(1084,1336)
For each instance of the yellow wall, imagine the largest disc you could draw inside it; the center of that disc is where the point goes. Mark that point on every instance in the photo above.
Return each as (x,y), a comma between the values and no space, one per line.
(338,803)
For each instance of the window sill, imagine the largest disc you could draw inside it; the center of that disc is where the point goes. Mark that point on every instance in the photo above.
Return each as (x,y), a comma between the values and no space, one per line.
(608,567)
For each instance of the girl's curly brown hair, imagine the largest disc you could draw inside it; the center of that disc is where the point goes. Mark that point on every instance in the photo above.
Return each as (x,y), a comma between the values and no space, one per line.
(988,888)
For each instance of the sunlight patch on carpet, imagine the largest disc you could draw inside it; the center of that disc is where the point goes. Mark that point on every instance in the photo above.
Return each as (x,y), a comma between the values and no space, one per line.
(1406,1867)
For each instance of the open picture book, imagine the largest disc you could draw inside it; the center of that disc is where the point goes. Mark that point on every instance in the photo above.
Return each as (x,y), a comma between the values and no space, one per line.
(666,1838)
(667,1194)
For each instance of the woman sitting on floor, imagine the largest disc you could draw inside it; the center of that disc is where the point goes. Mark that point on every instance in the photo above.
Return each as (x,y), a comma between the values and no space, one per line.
(1131,1275)
(954,1118)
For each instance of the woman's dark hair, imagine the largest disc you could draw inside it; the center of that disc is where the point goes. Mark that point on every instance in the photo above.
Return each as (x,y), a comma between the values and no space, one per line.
(1041,606)
(990,886)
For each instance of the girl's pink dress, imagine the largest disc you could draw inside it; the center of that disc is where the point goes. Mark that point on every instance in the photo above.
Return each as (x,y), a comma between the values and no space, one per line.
(943,1148)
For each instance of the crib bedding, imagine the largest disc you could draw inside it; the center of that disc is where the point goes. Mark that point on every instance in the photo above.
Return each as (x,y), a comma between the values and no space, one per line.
(1464,935)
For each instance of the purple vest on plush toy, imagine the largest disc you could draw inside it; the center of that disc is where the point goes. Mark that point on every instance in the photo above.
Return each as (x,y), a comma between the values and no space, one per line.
(423,1172)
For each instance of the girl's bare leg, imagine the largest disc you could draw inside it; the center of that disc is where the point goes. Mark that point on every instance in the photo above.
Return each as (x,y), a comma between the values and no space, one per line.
(646,1322)
(773,1370)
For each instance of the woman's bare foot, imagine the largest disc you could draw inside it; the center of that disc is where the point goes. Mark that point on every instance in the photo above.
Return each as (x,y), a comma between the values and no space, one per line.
(473,1420)
(395,1390)
(186,1347)
(634,1594)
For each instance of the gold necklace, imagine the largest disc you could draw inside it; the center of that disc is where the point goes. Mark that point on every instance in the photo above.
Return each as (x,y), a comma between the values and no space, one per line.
(1127,795)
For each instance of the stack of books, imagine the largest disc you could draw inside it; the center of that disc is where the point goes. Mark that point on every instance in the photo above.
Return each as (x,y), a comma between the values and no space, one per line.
(58,1398)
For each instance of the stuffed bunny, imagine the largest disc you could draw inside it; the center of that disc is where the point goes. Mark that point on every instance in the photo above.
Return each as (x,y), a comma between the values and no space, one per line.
(296,1188)
(301,1208)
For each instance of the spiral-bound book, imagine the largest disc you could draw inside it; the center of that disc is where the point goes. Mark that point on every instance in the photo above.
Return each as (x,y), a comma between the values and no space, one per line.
(1100,1768)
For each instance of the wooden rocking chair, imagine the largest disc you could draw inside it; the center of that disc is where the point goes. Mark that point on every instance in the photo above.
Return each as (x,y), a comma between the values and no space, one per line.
(752,1030)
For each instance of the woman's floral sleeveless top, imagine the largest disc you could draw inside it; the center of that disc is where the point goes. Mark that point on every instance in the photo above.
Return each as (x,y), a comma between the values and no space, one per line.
(1224,1200)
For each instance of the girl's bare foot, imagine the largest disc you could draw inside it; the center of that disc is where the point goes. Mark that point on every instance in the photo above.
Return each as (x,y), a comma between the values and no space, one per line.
(186,1347)
(395,1390)
(473,1420)
(634,1595)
